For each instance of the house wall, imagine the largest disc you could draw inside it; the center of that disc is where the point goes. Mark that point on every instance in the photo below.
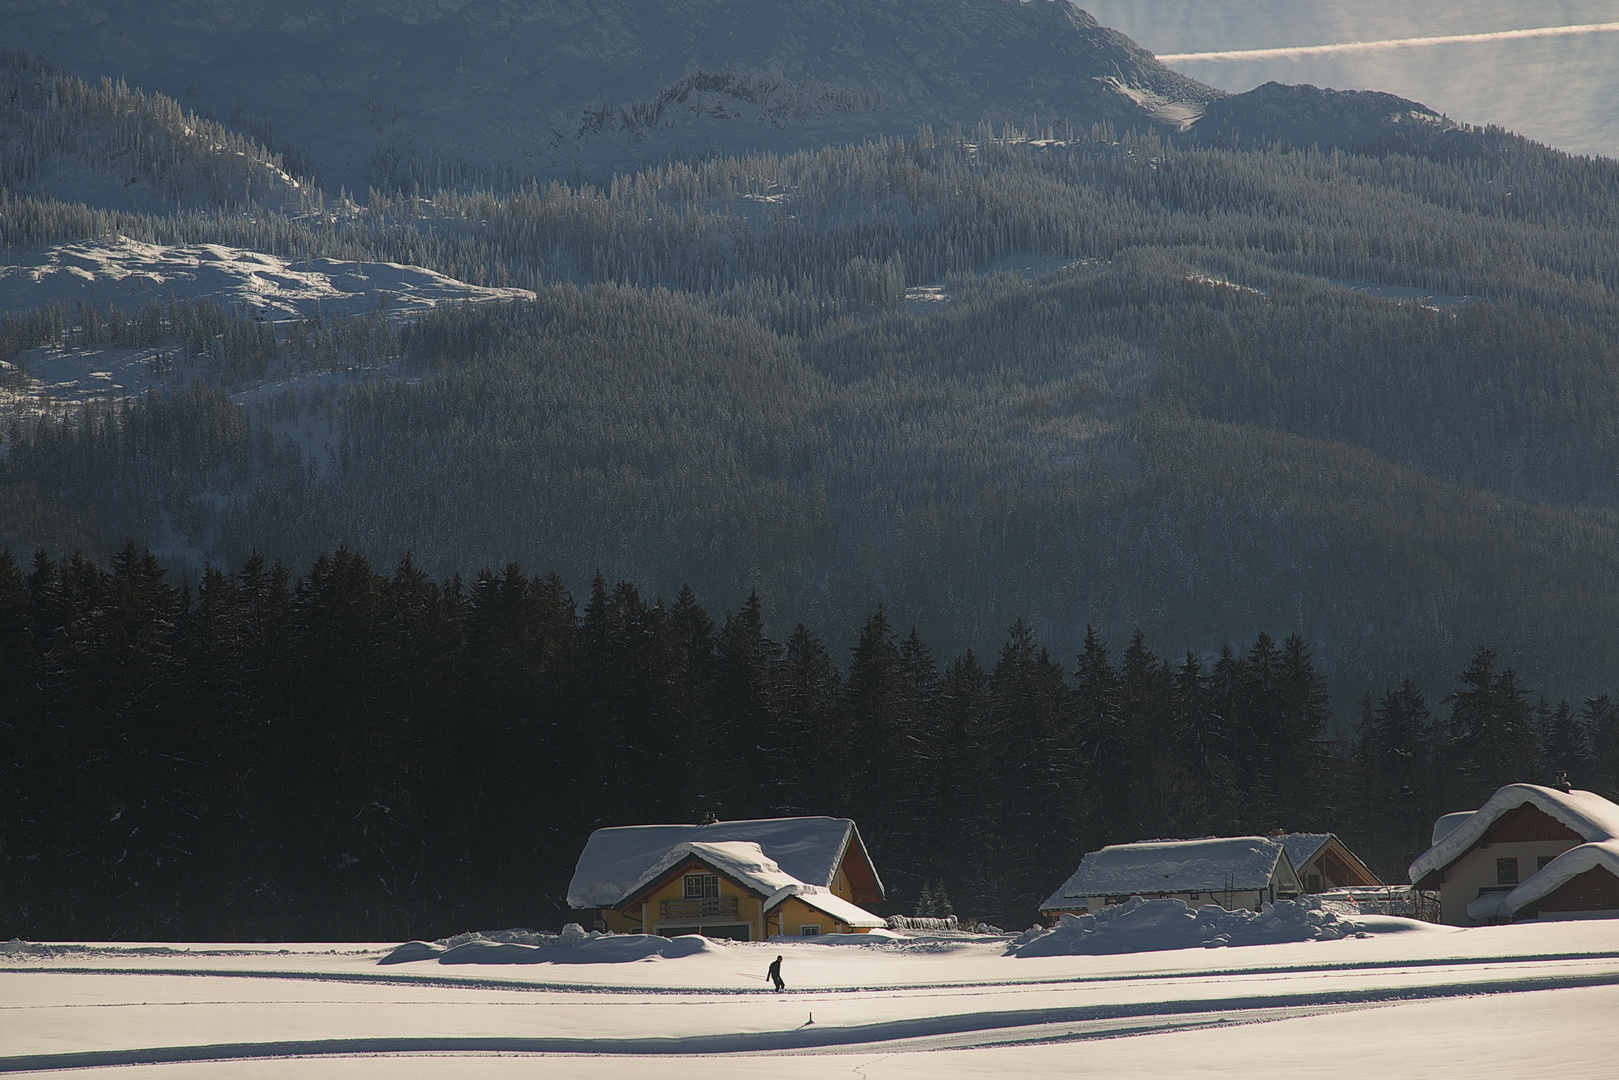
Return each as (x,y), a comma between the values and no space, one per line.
(1334,870)
(1476,871)
(792,915)
(1596,890)
(854,880)
(1252,899)
(644,918)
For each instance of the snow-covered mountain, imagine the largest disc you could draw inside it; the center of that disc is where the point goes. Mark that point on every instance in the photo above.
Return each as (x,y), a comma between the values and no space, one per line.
(382,91)
(1560,89)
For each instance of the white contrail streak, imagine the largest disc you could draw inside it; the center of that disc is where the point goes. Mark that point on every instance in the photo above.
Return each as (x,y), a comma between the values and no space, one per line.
(1295,52)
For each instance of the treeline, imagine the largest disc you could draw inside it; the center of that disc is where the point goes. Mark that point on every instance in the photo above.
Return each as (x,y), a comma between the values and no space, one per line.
(133,138)
(1088,448)
(349,754)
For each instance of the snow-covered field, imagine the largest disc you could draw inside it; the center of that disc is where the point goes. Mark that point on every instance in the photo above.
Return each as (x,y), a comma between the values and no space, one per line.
(1522,1001)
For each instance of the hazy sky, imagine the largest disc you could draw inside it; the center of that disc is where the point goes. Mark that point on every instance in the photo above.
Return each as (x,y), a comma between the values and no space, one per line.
(1562,90)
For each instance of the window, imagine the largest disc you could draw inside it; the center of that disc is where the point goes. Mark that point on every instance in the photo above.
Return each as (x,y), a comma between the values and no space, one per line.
(809,930)
(1196,895)
(1506,871)
(702,887)
(1544,861)
(1312,882)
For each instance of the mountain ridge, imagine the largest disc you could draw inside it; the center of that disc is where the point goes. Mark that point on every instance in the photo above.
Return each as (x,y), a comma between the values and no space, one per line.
(393,93)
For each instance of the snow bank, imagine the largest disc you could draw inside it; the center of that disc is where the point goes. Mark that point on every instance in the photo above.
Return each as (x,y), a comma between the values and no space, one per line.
(1139,925)
(574,945)
(870,937)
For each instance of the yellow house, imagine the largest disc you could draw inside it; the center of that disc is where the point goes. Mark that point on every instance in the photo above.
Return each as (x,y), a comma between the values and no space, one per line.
(745,880)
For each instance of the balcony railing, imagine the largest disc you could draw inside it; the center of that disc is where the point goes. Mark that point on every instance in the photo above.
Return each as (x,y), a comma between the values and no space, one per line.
(723,906)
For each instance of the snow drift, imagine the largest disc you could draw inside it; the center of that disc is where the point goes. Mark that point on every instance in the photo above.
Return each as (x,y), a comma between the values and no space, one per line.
(1139,925)
(574,945)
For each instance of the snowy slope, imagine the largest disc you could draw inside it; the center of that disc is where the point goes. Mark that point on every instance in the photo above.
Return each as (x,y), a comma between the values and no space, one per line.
(129,274)
(1529,1000)
(557,85)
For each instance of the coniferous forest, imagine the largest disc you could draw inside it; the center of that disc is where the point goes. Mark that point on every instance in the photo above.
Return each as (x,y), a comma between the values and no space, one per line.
(352,754)
(1366,395)
(1011,489)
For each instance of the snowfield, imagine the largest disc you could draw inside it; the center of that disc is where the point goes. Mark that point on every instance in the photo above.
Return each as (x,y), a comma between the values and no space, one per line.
(128,273)
(1529,1000)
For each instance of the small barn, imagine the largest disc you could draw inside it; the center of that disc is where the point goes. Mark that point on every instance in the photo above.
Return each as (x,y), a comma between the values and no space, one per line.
(747,880)
(1231,871)
(1529,852)
(1324,863)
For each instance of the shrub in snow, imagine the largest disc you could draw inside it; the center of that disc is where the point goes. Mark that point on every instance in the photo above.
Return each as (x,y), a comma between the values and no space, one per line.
(1139,925)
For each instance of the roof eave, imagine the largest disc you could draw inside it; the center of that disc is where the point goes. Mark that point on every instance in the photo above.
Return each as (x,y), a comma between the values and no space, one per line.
(662,879)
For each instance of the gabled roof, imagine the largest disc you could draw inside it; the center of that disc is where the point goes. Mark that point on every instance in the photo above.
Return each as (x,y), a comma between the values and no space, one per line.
(1548,879)
(743,863)
(1588,814)
(1168,866)
(615,860)
(1302,846)
(821,899)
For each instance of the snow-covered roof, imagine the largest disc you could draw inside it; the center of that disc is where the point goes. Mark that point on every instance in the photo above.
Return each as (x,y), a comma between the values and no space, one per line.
(742,862)
(1167,866)
(1587,813)
(1301,847)
(1447,824)
(1548,879)
(615,860)
(821,899)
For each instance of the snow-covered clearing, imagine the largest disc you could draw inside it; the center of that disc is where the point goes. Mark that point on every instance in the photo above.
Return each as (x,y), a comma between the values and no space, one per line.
(128,273)
(1522,1001)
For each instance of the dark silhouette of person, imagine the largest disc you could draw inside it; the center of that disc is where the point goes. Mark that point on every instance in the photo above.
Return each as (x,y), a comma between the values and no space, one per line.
(775,975)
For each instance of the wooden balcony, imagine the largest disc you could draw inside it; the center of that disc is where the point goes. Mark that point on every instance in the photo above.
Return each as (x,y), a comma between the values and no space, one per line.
(721,907)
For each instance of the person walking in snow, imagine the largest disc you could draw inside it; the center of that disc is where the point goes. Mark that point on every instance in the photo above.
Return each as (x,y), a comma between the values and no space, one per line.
(775,975)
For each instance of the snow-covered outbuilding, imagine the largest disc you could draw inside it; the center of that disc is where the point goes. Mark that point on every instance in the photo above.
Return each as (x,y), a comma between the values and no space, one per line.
(746,880)
(1231,871)
(1528,852)
(1323,862)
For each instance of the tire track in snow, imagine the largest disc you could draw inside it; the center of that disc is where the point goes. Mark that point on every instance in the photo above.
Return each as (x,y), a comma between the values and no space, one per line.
(1082,1022)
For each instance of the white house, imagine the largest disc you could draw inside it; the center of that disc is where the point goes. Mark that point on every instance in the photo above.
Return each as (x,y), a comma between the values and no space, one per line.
(1529,852)
(1233,872)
